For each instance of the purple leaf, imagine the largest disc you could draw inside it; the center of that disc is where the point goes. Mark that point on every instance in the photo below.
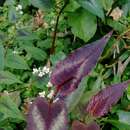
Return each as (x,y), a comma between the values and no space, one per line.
(77,125)
(101,103)
(69,72)
(47,116)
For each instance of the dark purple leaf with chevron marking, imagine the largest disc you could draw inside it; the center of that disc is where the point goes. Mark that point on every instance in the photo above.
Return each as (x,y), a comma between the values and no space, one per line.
(77,125)
(101,103)
(45,116)
(69,72)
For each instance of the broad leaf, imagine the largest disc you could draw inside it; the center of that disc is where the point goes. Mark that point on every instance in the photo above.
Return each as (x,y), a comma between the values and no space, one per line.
(101,103)
(9,109)
(42,4)
(47,116)
(93,6)
(8,78)
(1,57)
(77,125)
(36,53)
(15,61)
(83,23)
(69,72)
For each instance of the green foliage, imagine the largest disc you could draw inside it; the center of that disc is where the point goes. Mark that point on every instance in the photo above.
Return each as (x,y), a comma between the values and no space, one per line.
(83,24)
(93,6)
(26,36)
(1,57)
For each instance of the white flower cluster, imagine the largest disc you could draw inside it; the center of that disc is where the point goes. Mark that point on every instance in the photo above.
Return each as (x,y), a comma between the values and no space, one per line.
(19,9)
(41,71)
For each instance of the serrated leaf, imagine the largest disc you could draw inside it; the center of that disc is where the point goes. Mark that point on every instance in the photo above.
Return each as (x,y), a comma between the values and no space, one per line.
(47,116)
(8,78)
(36,53)
(42,4)
(1,57)
(15,61)
(93,6)
(69,72)
(9,109)
(101,103)
(77,125)
(83,23)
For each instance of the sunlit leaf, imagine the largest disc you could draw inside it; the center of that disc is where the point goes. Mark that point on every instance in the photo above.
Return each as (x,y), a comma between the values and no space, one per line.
(101,103)
(83,23)
(47,116)
(69,72)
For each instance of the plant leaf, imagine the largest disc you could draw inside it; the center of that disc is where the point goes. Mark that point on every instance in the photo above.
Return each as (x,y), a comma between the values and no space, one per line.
(77,125)
(124,117)
(15,61)
(1,57)
(42,4)
(69,72)
(9,109)
(101,103)
(8,78)
(46,116)
(93,6)
(83,23)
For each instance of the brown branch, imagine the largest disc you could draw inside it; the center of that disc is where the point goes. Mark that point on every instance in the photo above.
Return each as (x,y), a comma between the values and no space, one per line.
(52,50)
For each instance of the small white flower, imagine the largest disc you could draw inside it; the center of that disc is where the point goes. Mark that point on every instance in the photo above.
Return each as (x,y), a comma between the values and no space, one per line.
(52,22)
(21,12)
(41,74)
(17,9)
(15,52)
(20,7)
(49,84)
(52,29)
(51,94)
(35,71)
(42,94)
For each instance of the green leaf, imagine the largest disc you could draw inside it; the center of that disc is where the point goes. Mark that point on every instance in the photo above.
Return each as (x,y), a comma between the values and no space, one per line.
(107,4)
(15,61)
(117,26)
(42,4)
(119,125)
(36,53)
(57,57)
(93,6)
(73,99)
(9,109)
(1,57)
(124,117)
(12,14)
(72,6)
(128,92)
(83,24)
(8,78)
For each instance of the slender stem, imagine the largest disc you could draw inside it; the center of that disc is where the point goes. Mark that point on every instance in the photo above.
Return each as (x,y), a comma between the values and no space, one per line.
(52,50)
